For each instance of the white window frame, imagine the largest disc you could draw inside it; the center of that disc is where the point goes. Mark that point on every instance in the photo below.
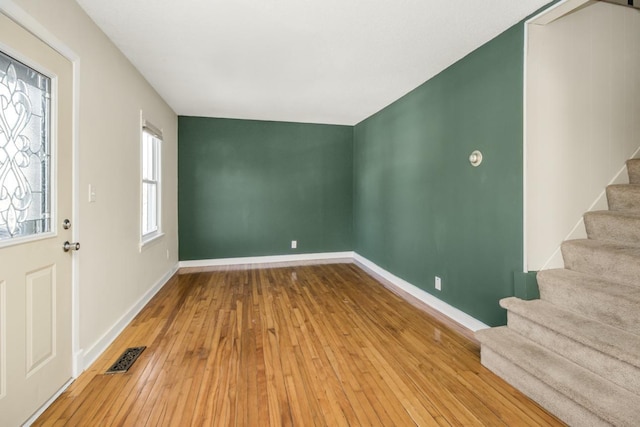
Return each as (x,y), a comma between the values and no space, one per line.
(150,131)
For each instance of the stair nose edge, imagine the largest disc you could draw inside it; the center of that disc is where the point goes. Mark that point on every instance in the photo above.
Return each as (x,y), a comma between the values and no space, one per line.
(623,197)
(509,302)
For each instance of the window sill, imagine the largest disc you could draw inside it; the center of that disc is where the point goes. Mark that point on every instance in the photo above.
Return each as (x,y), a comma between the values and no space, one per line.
(151,238)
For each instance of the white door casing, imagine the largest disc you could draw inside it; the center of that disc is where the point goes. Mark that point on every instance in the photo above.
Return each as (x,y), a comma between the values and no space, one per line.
(36,274)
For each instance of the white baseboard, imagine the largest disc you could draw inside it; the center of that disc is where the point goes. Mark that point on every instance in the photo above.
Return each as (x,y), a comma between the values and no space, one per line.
(92,354)
(451,312)
(274,259)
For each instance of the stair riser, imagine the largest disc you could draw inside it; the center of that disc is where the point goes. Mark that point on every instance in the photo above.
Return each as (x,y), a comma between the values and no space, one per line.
(609,228)
(614,266)
(623,374)
(610,310)
(549,398)
(623,198)
(633,168)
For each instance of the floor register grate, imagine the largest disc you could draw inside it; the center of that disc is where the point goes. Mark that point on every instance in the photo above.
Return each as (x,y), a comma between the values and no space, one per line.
(125,361)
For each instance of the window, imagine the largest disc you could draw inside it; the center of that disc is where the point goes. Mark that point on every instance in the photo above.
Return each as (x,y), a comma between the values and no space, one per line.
(151,152)
(25,152)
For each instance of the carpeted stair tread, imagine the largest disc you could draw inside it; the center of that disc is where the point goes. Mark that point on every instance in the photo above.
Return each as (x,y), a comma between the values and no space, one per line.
(592,392)
(633,169)
(612,303)
(620,344)
(614,261)
(618,226)
(624,197)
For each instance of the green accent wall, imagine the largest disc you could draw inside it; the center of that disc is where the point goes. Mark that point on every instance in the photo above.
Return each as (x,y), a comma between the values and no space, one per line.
(420,209)
(247,188)
(525,285)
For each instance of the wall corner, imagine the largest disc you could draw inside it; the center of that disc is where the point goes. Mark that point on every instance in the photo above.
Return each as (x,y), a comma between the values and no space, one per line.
(525,285)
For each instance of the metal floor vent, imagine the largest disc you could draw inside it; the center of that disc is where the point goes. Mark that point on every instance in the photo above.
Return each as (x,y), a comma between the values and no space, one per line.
(125,361)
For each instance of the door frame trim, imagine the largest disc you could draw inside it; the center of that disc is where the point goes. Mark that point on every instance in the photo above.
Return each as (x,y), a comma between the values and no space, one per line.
(28,22)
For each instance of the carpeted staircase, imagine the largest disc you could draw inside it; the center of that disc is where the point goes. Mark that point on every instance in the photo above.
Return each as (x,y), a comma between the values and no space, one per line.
(576,350)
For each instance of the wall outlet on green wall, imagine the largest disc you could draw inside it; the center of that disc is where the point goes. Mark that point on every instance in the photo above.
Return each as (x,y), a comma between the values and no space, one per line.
(438,283)
(294,244)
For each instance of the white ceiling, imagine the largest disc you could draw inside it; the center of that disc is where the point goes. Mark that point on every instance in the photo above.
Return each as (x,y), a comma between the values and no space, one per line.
(316,61)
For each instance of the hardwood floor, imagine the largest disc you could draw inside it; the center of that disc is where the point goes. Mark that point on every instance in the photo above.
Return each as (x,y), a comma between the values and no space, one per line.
(309,345)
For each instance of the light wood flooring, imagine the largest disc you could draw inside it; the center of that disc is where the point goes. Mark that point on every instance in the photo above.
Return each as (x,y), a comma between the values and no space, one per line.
(322,345)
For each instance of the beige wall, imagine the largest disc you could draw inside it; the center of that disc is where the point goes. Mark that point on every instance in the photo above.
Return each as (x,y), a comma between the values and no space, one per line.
(114,274)
(582,109)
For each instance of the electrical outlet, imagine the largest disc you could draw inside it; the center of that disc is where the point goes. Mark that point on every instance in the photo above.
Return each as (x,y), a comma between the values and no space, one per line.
(167,253)
(294,244)
(438,283)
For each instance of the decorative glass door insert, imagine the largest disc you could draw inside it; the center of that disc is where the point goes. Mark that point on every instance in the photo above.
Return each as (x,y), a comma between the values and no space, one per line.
(25,151)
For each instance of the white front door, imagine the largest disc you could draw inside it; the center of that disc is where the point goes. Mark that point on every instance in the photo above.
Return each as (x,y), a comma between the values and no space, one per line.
(35,199)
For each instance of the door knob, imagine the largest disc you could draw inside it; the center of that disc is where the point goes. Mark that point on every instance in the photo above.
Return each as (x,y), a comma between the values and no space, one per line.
(75,246)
